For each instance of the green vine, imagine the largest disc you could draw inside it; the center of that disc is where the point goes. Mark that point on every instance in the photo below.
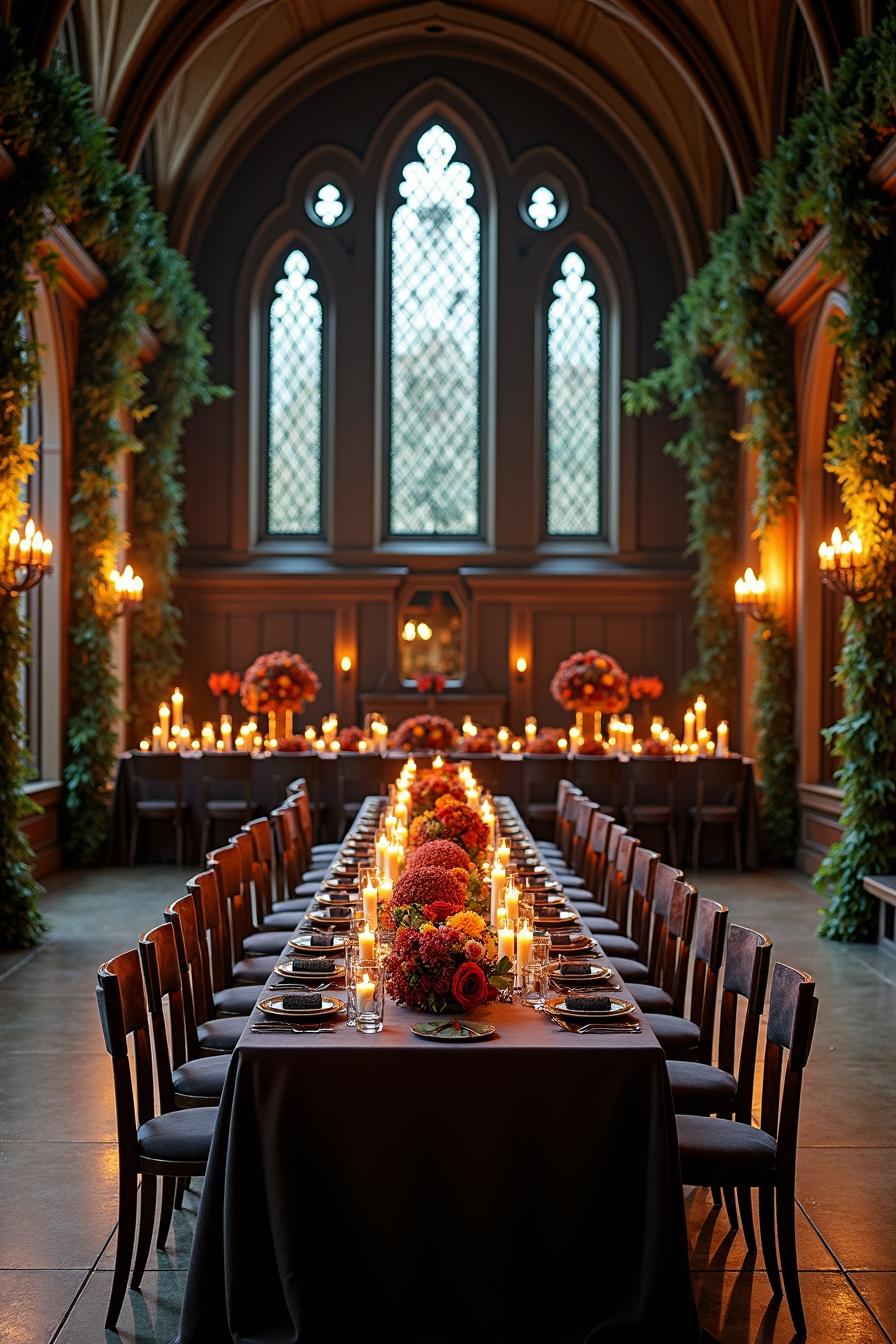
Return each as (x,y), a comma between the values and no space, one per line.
(65,167)
(819,174)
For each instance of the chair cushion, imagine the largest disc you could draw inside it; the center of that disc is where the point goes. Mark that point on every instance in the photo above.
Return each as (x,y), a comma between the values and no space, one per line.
(550,847)
(317,873)
(255,970)
(699,1089)
(283,919)
(633,972)
(652,999)
(236,1001)
(709,1146)
(202,1077)
(220,1034)
(264,944)
(229,807)
(570,879)
(296,907)
(179,1136)
(306,889)
(615,944)
(324,851)
(678,1036)
(582,906)
(597,922)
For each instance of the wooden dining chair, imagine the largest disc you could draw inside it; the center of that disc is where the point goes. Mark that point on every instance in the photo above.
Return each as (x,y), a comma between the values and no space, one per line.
(650,797)
(214,928)
(298,890)
(559,846)
(315,858)
(229,866)
(308,766)
(600,779)
(569,868)
(208,1002)
(691,1036)
(642,969)
(171,1145)
(226,784)
(157,796)
(594,868)
(720,1152)
(720,787)
(674,910)
(196,1079)
(541,778)
(611,928)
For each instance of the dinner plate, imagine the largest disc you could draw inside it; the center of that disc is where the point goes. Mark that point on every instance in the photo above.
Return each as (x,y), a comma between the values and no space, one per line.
(302,943)
(339,895)
(273,1006)
(618,1008)
(329,921)
(581,943)
(561,917)
(452,1029)
(542,896)
(314,976)
(590,973)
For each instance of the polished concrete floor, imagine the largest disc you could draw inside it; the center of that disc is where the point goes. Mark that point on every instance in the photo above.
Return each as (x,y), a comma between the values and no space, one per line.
(58,1158)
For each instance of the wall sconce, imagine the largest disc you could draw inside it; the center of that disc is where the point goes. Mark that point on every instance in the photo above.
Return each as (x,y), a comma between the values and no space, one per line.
(128,589)
(522,667)
(345,666)
(751,596)
(844,565)
(27,558)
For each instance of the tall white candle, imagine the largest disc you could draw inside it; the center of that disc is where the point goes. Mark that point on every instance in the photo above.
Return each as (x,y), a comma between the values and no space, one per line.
(382,849)
(499,879)
(699,714)
(366,944)
(384,890)
(523,945)
(164,723)
(512,904)
(505,942)
(156,737)
(689,723)
(394,855)
(369,903)
(177,708)
(365,988)
(722,739)
(503,853)
(227,732)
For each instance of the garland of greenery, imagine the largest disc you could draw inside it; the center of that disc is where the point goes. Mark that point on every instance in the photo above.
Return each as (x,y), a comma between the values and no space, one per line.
(65,166)
(818,175)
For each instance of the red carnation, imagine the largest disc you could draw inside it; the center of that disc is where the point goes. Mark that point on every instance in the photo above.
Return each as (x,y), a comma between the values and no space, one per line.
(469,985)
(438,854)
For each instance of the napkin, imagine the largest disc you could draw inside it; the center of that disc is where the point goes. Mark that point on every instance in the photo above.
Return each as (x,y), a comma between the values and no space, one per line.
(339,911)
(321,940)
(574,968)
(302,1001)
(560,939)
(315,964)
(588,1003)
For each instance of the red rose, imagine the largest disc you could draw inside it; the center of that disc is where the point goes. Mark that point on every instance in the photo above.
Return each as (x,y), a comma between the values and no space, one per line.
(438,911)
(469,985)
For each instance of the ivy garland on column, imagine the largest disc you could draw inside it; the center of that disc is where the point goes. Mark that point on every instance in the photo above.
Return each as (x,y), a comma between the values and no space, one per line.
(818,175)
(65,168)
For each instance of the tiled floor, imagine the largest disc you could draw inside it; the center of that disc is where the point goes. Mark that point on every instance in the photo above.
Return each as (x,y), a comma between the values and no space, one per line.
(58,1163)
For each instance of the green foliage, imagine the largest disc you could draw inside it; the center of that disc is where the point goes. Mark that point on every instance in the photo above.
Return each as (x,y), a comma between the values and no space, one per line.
(819,174)
(65,167)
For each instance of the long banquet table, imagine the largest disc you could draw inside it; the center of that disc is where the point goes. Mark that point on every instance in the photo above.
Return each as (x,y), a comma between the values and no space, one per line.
(269,779)
(524,1189)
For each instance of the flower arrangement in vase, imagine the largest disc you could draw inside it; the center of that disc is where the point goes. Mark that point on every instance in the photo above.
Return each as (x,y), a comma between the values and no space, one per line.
(350,738)
(431,785)
(451,819)
(430,683)
(424,732)
(646,690)
(447,967)
(546,743)
(223,685)
(590,683)
(279,684)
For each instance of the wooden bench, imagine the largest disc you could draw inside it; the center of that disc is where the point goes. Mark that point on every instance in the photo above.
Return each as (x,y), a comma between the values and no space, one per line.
(884,888)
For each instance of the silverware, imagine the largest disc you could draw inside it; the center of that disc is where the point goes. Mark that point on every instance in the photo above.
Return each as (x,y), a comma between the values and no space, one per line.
(589,1028)
(275,1028)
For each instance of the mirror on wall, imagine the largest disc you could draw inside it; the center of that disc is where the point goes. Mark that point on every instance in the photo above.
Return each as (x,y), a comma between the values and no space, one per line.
(430,636)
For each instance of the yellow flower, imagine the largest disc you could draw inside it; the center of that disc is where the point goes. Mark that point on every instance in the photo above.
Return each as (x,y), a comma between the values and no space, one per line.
(466,924)
(427,928)
(491,947)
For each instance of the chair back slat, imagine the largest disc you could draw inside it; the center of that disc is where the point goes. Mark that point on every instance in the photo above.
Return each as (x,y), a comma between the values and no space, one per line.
(161,973)
(214,929)
(674,944)
(245,850)
(709,948)
(581,813)
(617,831)
(643,881)
(192,953)
(123,1013)
(747,962)
(720,781)
(792,1009)
(620,882)
(225,864)
(149,769)
(594,867)
(289,845)
(263,877)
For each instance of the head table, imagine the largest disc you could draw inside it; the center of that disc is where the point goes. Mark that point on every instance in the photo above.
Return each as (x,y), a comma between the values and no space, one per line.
(271,774)
(524,1188)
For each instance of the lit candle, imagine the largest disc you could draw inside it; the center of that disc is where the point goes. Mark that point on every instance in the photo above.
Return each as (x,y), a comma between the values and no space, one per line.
(499,879)
(389,824)
(656,728)
(699,714)
(411,767)
(156,737)
(401,813)
(184,739)
(516,745)
(177,708)
(227,732)
(523,945)
(437,763)
(689,721)
(488,817)
(382,849)
(575,740)
(506,938)
(501,914)
(503,738)
(384,890)
(196,745)
(722,739)
(531,727)
(702,739)
(368,901)
(208,737)
(365,989)
(394,856)
(502,854)
(401,836)
(144,744)
(165,723)
(512,904)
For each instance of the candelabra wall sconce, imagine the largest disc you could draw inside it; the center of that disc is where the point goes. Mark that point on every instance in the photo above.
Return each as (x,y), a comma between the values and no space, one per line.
(128,589)
(751,597)
(844,566)
(28,556)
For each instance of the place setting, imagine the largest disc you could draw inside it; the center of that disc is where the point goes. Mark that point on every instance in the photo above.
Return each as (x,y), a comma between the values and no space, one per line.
(298,1011)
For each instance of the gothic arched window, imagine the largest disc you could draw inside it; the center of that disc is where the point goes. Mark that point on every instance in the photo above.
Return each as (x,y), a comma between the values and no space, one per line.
(573,430)
(295,419)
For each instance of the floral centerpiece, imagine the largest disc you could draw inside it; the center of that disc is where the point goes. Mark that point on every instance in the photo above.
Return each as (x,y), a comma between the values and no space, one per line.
(424,732)
(223,685)
(484,743)
(592,746)
(430,683)
(350,738)
(645,689)
(425,895)
(296,743)
(447,854)
(546,743)
(431,785)
(655,746)
(590,683)
(279,684)
(447,968)
(451,820)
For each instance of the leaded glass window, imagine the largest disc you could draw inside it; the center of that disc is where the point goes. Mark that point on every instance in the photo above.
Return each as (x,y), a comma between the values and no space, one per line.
(573,404)
(294,403)
(434,392)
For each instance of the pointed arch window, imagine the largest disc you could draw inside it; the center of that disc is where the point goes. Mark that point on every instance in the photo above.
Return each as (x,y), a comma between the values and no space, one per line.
(434,393)
(574,494)
(295,411)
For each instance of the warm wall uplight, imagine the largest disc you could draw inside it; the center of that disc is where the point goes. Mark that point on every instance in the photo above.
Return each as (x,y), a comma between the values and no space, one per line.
(128,589)
(27,558)
(522,667)
(345,665)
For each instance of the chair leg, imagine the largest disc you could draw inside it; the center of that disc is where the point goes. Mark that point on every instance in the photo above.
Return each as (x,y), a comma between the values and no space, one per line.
(169,1189)
(767,1235)
(144,1236)
(784,1210)
(127,1222)
(716,1194)
(745,1205)
(731,1206)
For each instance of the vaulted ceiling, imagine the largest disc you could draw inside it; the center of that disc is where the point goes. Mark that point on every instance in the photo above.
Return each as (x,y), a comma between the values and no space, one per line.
(696,90)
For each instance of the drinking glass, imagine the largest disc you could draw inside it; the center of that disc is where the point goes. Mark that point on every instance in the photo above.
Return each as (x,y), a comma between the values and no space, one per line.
(351,961)
(368,993)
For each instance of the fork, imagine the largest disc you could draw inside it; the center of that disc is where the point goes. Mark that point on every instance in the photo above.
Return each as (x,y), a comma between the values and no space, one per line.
(284,1030)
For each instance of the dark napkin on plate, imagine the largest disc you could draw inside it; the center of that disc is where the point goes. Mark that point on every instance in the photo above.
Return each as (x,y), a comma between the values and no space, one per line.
(588,1003)
(339,911)
(302,1001)
(321,940)
(322,965)
(560,939)
(570,968)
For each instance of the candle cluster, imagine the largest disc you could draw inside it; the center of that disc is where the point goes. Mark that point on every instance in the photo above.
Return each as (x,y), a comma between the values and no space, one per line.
(841,552)
(127,587)
(750,590)
(29,556)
